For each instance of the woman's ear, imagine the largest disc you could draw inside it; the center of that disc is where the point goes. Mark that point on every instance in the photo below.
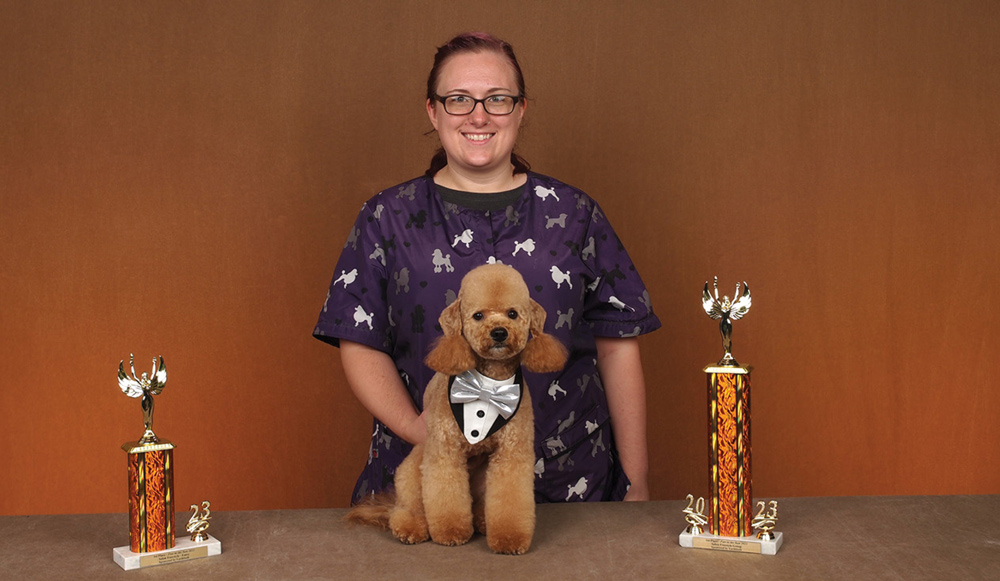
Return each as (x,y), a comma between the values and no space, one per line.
(432,113)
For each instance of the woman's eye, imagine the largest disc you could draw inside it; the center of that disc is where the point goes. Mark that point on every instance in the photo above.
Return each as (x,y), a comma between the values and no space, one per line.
(458,99)
(477,316)
(512,314)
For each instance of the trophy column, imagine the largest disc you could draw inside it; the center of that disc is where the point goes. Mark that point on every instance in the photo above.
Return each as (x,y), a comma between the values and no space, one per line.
(730,518)
(729,476)
(150,496)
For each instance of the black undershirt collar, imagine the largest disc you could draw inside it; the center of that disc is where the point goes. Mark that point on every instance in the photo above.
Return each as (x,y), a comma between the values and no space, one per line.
(479,201)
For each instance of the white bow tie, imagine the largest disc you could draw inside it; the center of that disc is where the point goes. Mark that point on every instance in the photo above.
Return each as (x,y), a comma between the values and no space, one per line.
(472,385)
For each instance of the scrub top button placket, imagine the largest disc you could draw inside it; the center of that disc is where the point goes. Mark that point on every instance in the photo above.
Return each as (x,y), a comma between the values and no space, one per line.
(490,243)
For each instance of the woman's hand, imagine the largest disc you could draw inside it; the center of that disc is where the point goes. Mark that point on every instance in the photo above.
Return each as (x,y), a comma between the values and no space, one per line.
(638,491)
(417,429)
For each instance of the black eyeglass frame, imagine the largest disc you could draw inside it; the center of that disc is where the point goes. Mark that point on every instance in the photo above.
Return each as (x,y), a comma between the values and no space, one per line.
(476,102)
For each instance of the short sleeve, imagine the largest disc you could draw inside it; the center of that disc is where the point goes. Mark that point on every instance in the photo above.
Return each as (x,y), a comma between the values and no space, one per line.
(617,303)
(355,308)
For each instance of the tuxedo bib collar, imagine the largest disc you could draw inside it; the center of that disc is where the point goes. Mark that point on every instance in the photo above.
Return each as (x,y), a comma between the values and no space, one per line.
(482,405)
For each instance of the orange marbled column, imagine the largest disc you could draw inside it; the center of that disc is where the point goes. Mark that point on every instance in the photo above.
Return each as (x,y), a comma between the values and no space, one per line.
(150,497)
(730,483)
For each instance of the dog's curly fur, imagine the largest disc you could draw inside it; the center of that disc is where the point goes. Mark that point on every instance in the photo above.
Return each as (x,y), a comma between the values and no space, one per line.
(434,497)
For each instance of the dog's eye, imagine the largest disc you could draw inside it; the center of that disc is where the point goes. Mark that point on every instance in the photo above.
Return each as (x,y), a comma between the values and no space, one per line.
(477,316)
(512,314)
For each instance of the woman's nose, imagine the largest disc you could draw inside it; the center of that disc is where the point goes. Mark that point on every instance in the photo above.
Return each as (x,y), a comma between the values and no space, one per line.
(478,115)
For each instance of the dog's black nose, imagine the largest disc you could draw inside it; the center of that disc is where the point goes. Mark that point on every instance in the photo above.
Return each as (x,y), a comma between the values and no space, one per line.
(499,334)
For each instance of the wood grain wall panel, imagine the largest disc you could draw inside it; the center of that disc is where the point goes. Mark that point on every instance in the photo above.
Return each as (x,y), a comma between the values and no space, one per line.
(177,179)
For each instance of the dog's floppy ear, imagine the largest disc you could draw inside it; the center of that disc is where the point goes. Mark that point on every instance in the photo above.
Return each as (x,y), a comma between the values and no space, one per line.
(544,353)
(451,353)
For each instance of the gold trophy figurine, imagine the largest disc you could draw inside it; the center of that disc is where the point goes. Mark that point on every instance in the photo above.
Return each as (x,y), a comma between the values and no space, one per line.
(727,311)
(145,387)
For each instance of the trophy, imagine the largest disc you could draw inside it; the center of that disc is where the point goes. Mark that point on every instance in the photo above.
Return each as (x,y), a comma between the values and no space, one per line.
(729,524)
(151,486)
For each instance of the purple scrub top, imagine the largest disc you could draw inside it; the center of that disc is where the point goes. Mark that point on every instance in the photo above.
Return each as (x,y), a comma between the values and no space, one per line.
(403,264)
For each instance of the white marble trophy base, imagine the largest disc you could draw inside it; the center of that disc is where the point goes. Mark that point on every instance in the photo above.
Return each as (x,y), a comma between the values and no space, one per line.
(184,550)
(731,544)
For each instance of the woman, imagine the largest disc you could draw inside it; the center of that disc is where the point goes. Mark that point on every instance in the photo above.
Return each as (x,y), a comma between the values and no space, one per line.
(478,202)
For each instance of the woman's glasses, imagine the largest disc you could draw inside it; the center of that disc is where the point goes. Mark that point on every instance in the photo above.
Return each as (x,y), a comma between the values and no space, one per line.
(464,104)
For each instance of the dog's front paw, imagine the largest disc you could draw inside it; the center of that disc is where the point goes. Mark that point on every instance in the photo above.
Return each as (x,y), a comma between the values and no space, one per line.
(408,528)
(513,543)
(410,537)
(456,532)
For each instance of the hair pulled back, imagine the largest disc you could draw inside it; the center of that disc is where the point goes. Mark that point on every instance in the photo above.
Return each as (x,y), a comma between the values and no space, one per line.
(473,42)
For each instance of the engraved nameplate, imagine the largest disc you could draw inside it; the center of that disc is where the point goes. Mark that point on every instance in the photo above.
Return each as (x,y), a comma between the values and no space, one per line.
(173,557)
(751,545)
(725,544)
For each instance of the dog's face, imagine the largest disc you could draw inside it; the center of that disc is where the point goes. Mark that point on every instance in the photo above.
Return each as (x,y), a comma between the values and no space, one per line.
(496,329)
(495,312)
(491,320)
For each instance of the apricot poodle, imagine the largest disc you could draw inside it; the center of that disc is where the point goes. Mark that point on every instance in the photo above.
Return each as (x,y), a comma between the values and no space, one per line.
(478,411)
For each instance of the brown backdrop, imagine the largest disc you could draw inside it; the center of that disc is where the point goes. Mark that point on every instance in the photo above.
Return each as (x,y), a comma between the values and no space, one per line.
(177,179)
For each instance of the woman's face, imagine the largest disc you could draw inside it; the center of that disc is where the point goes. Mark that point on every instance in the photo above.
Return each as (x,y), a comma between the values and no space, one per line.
(477,142)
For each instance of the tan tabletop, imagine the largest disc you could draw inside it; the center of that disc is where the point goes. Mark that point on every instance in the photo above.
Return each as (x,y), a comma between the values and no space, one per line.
(898,538)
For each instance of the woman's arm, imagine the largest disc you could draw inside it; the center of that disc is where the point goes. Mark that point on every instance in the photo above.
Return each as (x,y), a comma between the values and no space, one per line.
(375,382)
(620,365)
